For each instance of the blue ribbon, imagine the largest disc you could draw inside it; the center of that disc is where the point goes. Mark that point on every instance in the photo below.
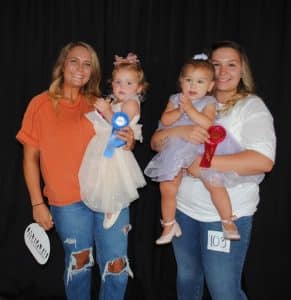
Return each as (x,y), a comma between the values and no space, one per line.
(119,120)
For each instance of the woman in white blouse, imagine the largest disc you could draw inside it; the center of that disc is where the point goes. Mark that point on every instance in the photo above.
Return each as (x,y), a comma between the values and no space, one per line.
(201,252)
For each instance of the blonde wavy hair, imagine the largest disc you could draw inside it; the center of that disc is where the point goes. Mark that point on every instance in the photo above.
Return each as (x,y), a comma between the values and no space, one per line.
(92,88)
(246,84)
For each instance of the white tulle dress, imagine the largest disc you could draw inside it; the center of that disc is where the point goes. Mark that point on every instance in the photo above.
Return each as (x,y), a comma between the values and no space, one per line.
(109,184)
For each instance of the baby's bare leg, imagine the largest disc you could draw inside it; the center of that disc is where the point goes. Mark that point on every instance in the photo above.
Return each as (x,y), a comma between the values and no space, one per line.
(221,201)
(169,191)
(219,194)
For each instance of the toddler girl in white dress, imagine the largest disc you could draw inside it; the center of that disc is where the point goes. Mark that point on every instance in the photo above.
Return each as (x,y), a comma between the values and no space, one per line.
(109,175)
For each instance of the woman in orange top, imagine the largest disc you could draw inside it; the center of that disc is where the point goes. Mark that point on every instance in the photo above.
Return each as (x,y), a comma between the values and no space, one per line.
(54,135)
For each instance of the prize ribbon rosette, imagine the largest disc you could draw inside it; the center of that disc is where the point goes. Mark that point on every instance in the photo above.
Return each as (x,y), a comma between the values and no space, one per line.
(217,134)
(119,120)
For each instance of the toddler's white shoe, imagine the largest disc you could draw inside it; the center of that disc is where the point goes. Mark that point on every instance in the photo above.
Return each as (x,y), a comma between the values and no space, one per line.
(174,232)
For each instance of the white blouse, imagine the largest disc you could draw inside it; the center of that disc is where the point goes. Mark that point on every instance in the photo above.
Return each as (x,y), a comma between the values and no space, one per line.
(251,124)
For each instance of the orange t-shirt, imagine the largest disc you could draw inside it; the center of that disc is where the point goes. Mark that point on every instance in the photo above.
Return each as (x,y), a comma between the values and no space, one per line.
(62,136)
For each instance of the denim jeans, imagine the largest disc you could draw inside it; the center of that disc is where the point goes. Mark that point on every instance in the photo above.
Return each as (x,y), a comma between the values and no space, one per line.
(79,229)
(198,260)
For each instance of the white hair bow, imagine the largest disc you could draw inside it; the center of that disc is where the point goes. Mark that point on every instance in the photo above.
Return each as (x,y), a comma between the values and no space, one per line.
(201,56)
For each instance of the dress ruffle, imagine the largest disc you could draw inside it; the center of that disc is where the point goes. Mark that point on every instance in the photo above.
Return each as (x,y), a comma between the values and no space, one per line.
(108,184)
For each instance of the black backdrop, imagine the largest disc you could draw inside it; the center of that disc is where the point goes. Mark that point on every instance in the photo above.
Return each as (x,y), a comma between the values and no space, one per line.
(163,34)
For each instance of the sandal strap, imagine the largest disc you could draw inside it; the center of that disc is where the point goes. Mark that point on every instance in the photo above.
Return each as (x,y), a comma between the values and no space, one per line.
(170,223)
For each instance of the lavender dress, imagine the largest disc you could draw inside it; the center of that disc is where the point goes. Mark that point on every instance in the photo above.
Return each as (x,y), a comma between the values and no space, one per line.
(178,154)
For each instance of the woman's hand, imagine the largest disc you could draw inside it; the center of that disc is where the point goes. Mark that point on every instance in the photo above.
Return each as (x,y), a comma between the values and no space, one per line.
(127,135)
(196,134)
(42,216)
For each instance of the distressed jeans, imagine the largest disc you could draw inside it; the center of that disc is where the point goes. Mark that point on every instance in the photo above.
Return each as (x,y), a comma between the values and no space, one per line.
(202,253)
(79,229)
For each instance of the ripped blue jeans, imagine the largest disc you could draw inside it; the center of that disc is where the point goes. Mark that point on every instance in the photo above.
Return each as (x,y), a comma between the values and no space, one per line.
(79,229)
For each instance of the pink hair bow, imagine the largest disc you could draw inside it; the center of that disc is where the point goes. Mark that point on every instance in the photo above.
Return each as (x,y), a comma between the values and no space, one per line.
(131,58)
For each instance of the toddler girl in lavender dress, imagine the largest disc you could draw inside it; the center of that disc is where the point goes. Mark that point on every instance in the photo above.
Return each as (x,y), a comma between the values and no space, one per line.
(192,106)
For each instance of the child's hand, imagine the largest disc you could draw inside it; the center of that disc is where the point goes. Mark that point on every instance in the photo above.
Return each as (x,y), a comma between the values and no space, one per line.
(102,105)
(185,104)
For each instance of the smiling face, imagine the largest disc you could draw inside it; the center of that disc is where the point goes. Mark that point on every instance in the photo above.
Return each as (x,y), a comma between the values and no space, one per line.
(77,68)
(228,71)
(125,84)
(196,82)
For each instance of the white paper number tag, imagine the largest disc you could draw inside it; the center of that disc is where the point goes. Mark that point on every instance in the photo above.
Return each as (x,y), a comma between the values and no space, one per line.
(37,242)
(216,242)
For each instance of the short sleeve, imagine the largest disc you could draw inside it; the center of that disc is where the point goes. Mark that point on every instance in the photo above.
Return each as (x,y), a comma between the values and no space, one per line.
(257,132)
(30,128)
(175,99)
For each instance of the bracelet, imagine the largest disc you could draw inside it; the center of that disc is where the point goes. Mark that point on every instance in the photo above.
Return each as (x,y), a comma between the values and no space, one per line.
(37,204)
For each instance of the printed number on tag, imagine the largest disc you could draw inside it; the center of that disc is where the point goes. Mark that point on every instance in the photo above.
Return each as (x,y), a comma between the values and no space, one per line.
(216,242)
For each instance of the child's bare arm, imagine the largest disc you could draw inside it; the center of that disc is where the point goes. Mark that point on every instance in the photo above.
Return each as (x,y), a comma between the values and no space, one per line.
(131,108)
(171,114)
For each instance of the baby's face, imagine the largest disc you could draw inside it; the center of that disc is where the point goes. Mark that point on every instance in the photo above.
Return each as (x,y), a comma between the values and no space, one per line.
(196,82)
(125,84)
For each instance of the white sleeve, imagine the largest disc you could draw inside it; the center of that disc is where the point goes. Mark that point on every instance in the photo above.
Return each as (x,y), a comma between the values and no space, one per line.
(257,128)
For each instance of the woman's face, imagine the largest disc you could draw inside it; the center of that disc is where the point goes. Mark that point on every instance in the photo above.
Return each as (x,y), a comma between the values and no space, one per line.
(228,69)
(77,67)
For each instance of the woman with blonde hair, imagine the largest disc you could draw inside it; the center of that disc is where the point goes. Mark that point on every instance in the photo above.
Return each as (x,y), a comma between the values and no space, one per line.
(54,135)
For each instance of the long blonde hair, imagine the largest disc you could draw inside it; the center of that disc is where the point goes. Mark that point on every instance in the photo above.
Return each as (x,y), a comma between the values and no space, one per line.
(246,84)
(92,88)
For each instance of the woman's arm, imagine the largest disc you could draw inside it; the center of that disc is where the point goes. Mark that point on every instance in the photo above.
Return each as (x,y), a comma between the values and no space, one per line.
(244,163)
(41,213)
(192,133)
(248,162)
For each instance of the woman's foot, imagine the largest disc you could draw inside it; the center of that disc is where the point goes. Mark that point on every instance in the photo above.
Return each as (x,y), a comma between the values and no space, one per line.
(109,219)
(230,231)
(171,229)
